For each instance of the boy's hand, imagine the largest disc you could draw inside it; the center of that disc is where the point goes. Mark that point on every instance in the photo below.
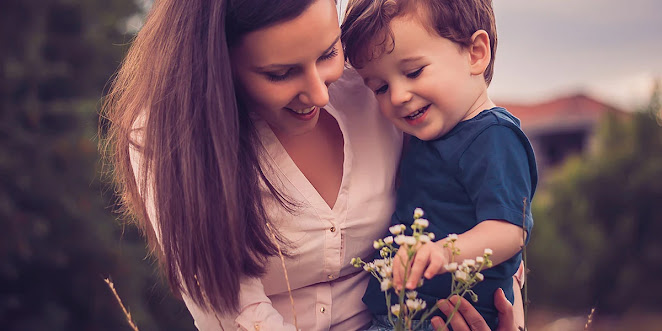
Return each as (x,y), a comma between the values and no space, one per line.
(429,261)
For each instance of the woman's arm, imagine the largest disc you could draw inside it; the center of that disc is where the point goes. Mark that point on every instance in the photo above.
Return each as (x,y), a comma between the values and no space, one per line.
(255,309)
(256,312)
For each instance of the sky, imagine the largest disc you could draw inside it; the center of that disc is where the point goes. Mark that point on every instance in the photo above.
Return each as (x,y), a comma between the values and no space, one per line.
(609,49)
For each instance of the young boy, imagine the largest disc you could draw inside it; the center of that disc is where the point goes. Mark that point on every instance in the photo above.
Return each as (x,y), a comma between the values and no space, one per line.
(468,165)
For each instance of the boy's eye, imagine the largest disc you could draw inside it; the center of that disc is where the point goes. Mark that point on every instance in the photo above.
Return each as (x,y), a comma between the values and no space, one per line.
(381,89)
(416,73)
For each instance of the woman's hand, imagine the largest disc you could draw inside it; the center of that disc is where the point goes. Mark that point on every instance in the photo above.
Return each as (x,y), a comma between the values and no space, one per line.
(467,317)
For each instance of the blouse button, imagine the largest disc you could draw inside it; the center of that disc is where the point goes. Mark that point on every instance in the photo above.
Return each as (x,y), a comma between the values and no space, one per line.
(322,310)
(332,229)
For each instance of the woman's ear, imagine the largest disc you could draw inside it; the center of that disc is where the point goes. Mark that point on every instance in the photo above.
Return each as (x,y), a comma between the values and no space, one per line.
(479,52)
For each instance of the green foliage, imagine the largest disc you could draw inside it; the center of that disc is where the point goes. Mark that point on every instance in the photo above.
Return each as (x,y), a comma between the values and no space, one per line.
(597,237)
(59,237)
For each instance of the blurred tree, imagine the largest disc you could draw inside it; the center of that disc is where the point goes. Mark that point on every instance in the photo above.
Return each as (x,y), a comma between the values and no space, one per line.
(598,221)
(58,236)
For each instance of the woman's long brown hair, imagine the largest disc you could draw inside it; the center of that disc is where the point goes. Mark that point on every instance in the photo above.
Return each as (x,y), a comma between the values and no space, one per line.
(198,145)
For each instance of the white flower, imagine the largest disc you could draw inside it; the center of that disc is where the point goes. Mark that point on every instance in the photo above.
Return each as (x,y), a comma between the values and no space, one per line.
(396,229)
(409,240)
(388,240)
(431,235)
(386,284)
(424,238)
(386,271)
(395,309)
(451,267)
(461,275)
(399,239)
(418,213)
(376,244)
(480,260)
(422,222)
(480,276)
(452,237)
(412,295)
(379,263)
(469,263)
(487,252)
(369,267)
(416,304)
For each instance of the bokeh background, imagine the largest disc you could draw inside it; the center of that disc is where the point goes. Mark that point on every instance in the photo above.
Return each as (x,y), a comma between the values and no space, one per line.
(582,75)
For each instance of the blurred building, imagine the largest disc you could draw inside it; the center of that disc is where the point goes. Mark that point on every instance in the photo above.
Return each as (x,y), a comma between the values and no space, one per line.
(561,127)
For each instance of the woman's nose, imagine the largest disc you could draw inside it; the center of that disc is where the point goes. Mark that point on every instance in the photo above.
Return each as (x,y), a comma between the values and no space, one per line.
(315,91)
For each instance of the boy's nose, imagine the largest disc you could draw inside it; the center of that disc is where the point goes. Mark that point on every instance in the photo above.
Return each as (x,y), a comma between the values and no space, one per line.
(399,96)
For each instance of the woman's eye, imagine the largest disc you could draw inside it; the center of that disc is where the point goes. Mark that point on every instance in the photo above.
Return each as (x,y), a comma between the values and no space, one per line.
(416,73)
(381,89)
(329,55)
(278,76)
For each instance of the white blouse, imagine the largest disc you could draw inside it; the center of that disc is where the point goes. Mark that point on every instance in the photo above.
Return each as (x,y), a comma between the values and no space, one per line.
(327,290)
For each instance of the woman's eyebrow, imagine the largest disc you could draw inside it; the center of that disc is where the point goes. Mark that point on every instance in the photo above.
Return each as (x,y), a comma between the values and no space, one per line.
(332,44)
(285,65)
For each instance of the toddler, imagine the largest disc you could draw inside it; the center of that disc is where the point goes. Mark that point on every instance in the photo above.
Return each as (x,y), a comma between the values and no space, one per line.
(467,164)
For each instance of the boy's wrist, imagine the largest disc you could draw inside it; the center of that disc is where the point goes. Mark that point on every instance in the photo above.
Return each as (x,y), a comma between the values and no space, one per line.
(446,254)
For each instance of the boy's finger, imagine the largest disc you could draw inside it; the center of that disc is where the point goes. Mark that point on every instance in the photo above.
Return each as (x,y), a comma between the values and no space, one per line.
(420,262)
(399,269)
(434,268)
(396,271)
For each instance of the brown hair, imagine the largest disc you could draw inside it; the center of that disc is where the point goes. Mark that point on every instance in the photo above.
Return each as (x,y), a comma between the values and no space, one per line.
(199,147)
(367,23)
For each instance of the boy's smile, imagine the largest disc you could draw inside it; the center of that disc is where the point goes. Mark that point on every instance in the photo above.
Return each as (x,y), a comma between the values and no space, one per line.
(427,84)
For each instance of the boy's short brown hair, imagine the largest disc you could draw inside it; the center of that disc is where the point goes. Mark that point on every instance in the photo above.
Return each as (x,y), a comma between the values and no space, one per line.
(367,24)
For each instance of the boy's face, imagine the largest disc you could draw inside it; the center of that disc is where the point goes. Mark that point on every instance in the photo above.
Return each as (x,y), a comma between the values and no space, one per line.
(427,84)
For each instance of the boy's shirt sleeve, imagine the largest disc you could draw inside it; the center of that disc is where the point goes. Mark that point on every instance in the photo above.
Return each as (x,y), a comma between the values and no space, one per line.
(496,172)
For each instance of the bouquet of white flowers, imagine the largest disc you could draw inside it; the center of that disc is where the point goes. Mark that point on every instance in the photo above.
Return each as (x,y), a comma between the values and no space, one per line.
(464,276)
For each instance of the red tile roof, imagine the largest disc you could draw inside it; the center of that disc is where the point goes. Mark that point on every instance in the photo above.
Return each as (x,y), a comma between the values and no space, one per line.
(571,111)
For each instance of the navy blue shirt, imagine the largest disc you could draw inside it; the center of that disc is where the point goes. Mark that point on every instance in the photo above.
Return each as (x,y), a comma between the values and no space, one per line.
(482,169)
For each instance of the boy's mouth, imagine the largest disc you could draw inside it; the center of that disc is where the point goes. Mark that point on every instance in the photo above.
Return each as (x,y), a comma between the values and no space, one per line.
(418,113)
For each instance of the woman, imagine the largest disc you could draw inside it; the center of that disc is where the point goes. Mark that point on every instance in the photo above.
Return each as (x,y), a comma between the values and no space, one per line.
(229,143)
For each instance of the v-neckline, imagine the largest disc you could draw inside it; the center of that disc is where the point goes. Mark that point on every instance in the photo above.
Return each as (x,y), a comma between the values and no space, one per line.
(282,160)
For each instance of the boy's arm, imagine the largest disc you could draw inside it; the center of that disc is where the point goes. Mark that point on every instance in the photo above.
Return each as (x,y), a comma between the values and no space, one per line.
(503,238)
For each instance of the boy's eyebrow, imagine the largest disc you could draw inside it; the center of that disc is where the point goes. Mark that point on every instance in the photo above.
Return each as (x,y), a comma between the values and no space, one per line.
(286,65)
(411,59)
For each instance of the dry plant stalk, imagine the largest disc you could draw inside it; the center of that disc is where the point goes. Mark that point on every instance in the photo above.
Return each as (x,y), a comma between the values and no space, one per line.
(526,270)
(124,310)
(590,319)
(287,279)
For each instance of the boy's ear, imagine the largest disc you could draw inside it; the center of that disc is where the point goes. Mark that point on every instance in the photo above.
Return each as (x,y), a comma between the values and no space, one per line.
(479,52)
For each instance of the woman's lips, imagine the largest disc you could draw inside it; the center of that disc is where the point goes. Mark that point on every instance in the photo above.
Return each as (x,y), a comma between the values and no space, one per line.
(304,113)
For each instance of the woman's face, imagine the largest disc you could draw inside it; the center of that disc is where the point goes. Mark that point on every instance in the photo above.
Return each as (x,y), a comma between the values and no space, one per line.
(283,71)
